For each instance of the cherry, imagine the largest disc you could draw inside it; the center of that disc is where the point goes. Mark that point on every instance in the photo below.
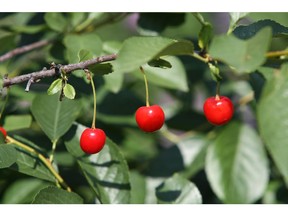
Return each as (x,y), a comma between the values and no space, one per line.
(218,110)
(92,140)
(3,131)
(150,118)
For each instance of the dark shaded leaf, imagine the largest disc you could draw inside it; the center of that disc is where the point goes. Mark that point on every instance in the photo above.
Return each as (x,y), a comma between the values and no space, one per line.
(8,155)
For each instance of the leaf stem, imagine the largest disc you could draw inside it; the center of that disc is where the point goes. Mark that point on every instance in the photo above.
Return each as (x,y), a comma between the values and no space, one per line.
(146,87)
(200,18)
(44,160)
(197,56)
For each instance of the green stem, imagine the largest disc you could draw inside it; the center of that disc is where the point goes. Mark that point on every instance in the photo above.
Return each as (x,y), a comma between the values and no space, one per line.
(273,54)
(5,102)
(53,150)
(197,56)
(146,87)
(44,160)
(94,100)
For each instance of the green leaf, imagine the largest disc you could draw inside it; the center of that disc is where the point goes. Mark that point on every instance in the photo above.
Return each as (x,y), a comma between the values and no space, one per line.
(243,55)
(55,87)
(172,78)
(138,188)
(54,117)
(237,165)
(114,81)
(161,63)
(16,122)
(272,114)
(178,190)
(69,91)
(31,165)
(28,29)
(106,172)
(22,191)
(137,51)
(56,21)
(54,195)
(74,43)
(205,36)
(101,69)
(8,155)
(84,55)
(246,32)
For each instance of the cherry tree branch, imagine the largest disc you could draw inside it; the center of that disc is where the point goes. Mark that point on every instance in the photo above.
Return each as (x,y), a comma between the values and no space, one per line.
(23,49)
(35,76)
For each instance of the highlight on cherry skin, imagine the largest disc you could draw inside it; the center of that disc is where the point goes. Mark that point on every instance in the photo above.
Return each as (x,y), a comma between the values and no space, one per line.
(150,118)
(3,131)
(92,140)
(218,110)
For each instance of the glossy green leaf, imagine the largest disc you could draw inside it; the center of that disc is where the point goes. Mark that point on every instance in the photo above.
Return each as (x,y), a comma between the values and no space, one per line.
(272,114)
(137,51)
(237,165)
(55,87)
(69,91)
(16,122)
(54,195)
(23,191)
(74,43)
(53,116)
(178,190)
(243,55)
(56,21)
(8,155)
(29,164)
(106,171)
(248,31)
(172,78)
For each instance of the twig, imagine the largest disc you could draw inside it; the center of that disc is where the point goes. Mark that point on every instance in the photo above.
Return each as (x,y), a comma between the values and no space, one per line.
(23,49)
(53,72)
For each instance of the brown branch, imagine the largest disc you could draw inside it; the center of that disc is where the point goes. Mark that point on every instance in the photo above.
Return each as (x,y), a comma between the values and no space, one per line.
(23,49)
(35,76)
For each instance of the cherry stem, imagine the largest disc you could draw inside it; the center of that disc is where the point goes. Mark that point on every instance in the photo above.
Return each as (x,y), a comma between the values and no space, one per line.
(44,160)
(53,150)
(146,86)
(217,97)
(94,100)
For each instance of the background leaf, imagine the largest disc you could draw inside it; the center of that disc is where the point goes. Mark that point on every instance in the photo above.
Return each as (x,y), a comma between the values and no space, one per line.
(53,116)
(16,122)
(178,190)
(137,51)
(23,191)
(56,21)
(54,195)
(74,43)
(272,115)
(8,155)
(248,31)
(237,165)
(244,56)
(106,172)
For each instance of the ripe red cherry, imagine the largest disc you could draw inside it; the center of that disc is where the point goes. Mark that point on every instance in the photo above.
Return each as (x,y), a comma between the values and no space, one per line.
(150,118)
(92,140)
(3,131)
(218,110)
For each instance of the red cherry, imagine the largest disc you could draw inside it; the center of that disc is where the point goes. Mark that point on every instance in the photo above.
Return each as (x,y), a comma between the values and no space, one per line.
(150,118)
(92,140)
(218,111)
(3,131)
